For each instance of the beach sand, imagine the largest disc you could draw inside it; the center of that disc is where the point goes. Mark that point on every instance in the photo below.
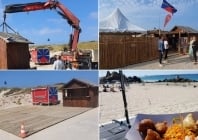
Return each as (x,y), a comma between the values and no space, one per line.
(149,98)
(14,100)
(20,98)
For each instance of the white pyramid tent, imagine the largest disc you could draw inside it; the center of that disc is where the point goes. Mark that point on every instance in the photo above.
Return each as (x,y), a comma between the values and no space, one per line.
(117,22)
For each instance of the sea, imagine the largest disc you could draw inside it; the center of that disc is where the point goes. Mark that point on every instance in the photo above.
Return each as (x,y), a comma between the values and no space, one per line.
(154,78)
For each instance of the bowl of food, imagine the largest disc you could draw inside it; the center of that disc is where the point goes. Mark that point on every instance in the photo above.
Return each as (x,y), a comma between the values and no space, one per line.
(179,126)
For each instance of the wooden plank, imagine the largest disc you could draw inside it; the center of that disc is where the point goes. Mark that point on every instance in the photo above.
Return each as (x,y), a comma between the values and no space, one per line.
(122,49)
(36,118)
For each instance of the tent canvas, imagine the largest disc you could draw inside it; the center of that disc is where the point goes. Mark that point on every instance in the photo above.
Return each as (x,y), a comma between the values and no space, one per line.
(117,22)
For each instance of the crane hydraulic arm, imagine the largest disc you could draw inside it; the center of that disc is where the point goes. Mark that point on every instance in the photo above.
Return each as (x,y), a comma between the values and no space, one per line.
(51,4)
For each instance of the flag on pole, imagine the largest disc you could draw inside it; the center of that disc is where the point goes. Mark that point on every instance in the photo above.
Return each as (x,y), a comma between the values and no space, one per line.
(168,7)
(167,19)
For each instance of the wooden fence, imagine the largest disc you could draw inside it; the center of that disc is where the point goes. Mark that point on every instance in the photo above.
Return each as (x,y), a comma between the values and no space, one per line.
(120,50)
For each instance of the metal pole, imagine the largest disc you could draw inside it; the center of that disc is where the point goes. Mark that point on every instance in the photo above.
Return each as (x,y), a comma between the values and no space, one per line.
(124,98)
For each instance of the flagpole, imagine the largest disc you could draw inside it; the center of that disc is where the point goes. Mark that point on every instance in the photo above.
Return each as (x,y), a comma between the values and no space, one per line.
(163,28)
(159,24)
(160,15)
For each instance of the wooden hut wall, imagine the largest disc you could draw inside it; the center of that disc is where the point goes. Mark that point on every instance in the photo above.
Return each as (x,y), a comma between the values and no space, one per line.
(81,97)
(93,92)
(3,54)
(18,56)
(119,50)
(76,102)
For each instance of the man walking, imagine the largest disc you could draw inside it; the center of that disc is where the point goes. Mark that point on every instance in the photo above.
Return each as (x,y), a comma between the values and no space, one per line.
(166,49)
(160,50)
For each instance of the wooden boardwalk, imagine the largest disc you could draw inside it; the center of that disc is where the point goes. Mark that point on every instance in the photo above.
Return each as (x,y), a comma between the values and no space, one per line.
(35,118)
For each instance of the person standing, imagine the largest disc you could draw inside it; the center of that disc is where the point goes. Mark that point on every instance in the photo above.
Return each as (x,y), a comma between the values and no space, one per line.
(160,50)
(195,47)
(58,64)
(184,43)
(190,51)
(166,46)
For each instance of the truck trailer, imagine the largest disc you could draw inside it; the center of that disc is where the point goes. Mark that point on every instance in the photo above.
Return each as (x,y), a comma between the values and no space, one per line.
(44,95)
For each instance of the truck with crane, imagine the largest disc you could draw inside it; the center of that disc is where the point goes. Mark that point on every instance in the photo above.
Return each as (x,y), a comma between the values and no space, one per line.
(72,55)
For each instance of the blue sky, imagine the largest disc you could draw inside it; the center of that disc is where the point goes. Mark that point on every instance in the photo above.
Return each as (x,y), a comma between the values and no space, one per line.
(38,26)
(142,73)
(35,78)
(148,14)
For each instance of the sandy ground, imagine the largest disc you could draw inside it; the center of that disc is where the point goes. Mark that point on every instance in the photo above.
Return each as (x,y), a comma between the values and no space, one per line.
(175,61)
(83,126)
(149,98)
(16,100)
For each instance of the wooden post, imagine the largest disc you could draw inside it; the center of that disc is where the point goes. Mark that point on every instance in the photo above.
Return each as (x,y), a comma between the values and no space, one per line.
(63,95)
(179,44)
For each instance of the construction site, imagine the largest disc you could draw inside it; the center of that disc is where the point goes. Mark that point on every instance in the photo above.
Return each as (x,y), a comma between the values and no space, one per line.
(60,110)
(18,52)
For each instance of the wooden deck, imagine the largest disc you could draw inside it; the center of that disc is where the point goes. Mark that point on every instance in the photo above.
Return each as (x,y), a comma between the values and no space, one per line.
(35,118)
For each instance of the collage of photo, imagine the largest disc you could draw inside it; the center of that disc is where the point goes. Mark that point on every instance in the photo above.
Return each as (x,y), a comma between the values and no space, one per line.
(98,70)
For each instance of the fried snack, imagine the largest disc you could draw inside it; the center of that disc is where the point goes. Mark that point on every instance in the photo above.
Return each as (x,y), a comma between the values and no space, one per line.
(144,125)
(161,127)
(177,132)
(189,122)
(189,138)
(152,135)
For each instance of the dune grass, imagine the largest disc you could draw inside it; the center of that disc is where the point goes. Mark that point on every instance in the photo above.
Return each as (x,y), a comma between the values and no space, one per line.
(60,47)
(15,90)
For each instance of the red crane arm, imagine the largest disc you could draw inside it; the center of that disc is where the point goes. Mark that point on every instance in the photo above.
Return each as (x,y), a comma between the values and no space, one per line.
(51,4)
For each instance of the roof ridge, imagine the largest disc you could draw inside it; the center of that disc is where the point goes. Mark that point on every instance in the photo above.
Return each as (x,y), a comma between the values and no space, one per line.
(83,81)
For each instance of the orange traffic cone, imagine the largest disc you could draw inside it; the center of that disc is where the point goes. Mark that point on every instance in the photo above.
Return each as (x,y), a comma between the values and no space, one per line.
(22,131)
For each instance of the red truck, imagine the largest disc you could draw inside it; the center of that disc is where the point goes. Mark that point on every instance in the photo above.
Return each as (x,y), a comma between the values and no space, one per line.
(44,95)
(40,56)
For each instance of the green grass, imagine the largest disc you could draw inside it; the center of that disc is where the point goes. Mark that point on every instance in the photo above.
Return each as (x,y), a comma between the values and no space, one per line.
(82,45)
(17,90)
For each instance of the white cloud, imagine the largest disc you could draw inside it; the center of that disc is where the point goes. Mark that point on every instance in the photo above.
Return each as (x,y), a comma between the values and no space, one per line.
(94,15)
(145,13)
(46,31)
(40,36)
(42,32)
(136,7)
